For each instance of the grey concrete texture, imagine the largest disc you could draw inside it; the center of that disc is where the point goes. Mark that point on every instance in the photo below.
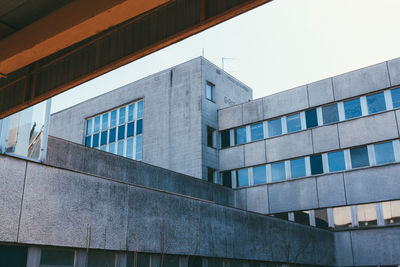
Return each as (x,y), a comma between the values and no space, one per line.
(394,71)
(257,199)
(231,158)
(230,117)
(254,153)
(343,249)
(320,92)
(325,138)
(253,111)
(72,156)
(331,190)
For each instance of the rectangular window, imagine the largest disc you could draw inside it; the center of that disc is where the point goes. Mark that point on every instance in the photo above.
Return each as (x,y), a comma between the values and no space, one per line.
(98,258)
(366,215)
(225,139)
(139,127)
(210,136)
(210,175)
(257,131)
(113,120)
(336,161)
(121,132)
(111,148)
(311,118)
(321,218)
(376,103)
(302,217)
(103,148)
(140,110)
(396,97)
(227,179)
(129,148)
(242,177)
(13,256)
(316,164)
(130,131)
(131,108)
(113,134)
(298,168)
(97,124)
(57,257)
(240,135)
(293,123)
(95,140)
(342,217)
(359,157)
(88,141)
(352,109)
(120,149)
(330,114)
(89,126)
(210,91)
(103,140)
(274,127)
(384,153)
(391,211)
(260,174)
(278,172)
(139,148)
(281,215)
(122,112)
(104,123)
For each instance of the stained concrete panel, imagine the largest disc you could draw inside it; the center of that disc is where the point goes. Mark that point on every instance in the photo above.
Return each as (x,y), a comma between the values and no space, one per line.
(289,146)
(368,129)
(257,199)
(231,158)
(285,102)
(394,71)
(254,153)
(320,92)
(361,81)
(398,119)
(331,190)
(253,111)
(230,117)
(241,198)
(325,138)
(12,174)
(343,249)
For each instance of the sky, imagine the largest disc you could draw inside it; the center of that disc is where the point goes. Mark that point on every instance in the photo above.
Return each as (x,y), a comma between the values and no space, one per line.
(280,45)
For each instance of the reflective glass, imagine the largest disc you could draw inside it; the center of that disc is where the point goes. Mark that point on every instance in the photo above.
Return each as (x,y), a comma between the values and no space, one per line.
(103,140)
(342,217)
(311,118)
(89,126)
(129,148)
(260,174)
(278,172)
(330,114)
(111,148)
(257,131)
(298,167)
(274,127)
(384,153)
(104,123)
(139,147)
(95,140)
(121,132)
(122,112)
(209,91)
(120,149)
(96,124)
(321,218)
(391,211)
(113,132)
(242,177)
(293,123)
(376,103)
(359,157)
(366,215)
(316,164)
(131,108)
(103,148)
(88,141)
(113,121)
(396,97)
(56,257)
(225,139)
(140,110)
(131,129)
(139,127)
(240,135)
(352,108)
(336,161)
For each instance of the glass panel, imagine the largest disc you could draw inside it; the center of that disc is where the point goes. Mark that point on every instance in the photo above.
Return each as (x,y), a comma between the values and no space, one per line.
(302,217)
(95,140)
(122,112)
(298,167)
(210,136)
(88,141)
(103,138)
(240,135)
(227,179)
(396,97)
(384,153)
(170,261)
(316,164)
(129,148)
(278,171)
(366,215)
(330,114)
(101,259)
(293,123)
(359,157)
(104,123)
(96,124)
(210,175)
(274,127)
(237,263)
(336,161)
(342,217)
(376,103)
(131,108)
(89,126)
(282,215)
(113,133)
(139,127)
(225,139)
(138,147)
(213,263)
(209,91)
(311,118)
(111,148)
(13,256)
(131,129)
(113,121)
(242,178)
(352,108)
(260,174)
(120,150)
(391,211)
(57,257)
(142,260)
(140,110)
(195,261)
(103,148)
(257,131)
(121,132)
(321,218)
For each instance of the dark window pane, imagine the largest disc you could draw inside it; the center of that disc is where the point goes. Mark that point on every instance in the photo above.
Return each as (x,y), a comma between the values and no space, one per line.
(240,135)
(227,179)
(225,139)
(242,177)
(95,140)
(57,257)
(311,118)
(101,258)
(396,97)
(274,127)
(113,132)
(281,215)
(104,124)
(170,261)
(214,263)
(342,217)
(88,140)
(13,256)
(302,217)
(298,167)
(131,129)
(113,120)
(366,215)
(237,263)
(359,157)
(384,153)
(257,131)
(103,138)
(121,132)
(330,114)
(352,108)
(321,218)
(139,127)
(122,112)
(336,161)
(260,174)
(278,171)
(316,164)
(210,175)
(293,123)
(210,138)
(376,103)
(142,260)
(195,261)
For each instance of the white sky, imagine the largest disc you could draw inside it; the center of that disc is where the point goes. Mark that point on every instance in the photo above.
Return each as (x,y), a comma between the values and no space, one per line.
(278,46)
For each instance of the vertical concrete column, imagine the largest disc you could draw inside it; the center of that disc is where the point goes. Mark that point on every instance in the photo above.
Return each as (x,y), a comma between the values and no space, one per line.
(80,258)
(33,259)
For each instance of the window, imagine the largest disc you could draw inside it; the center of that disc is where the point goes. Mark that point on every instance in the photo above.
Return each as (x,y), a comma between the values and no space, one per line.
(13,256)
(88,141)
(142,259)
(260,174)
(95,140)
(99,258)
(139,127)
(227,179)
(122,113)
(274,127)
(257,131)
(293,123)
(240,135)
(302,217)
(56,257)
(278,172)
(139,148)
(210,91)
(97,124)
(330,114)
(121,132)
(103,138)
(113,134)
(396,97)
(140,109)
(298,168)
(89,126)
(282,215)
(111,148)
(384,153)
(321,218)
(113,121)
(366,215)
(129,148)
(193,261)
(342,217)
(212,263)
(225,139)
(210,175)
(336,161)
(120,148)
(104,124)
(316,164)
(130,131)
(242,177)
(352,108)
(376,103)
(311,118)
(359,157)
(210,136)
(391,211)
(131,109)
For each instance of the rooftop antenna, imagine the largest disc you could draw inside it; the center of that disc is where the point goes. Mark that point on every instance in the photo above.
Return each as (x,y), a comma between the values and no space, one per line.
(223,61)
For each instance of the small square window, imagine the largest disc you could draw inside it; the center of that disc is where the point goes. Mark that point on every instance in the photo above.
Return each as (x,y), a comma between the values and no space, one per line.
(376,103)
(242,177)
(396,97)
(293,123)
(359,157)
(391,211)
(384,153)
(311,118)
(260,174)
(330,114)
(298,167)
(210,91)
(257,131)
(210,136)
(352,108)
(336,161)
(240,135)
(316,164)
(278,172)
(225,139)
(275,127)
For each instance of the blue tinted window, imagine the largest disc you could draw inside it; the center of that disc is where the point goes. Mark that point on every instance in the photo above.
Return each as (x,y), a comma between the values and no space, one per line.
(352,108)
(274,127)
(131,129)
(111,148)
(330,114)
(376,103)
(140,110)
(139,127)
(336,161)
(240,135)
(89,126)
(209,91)
(113,120)
(257,131)
(384,153)
(103,148)
(278,172)
(359,157)
(103,140)
(242,178)
(225,139)
(95,140)
(120,150)
(298,167)
(88,140)
(113,132)
(122,112)
(293,123)
(104,123)
(260,174)
(316,164)
(139,147)
(311,118)
(396,97)
(129,148)
(121,132)
(131,108)
(97,124)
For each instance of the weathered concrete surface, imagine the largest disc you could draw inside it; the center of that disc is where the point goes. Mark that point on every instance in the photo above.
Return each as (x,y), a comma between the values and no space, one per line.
(325,138)
(231,158)
(394,71)
(254,153)
(230,117)
(320,92)
(331,191)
